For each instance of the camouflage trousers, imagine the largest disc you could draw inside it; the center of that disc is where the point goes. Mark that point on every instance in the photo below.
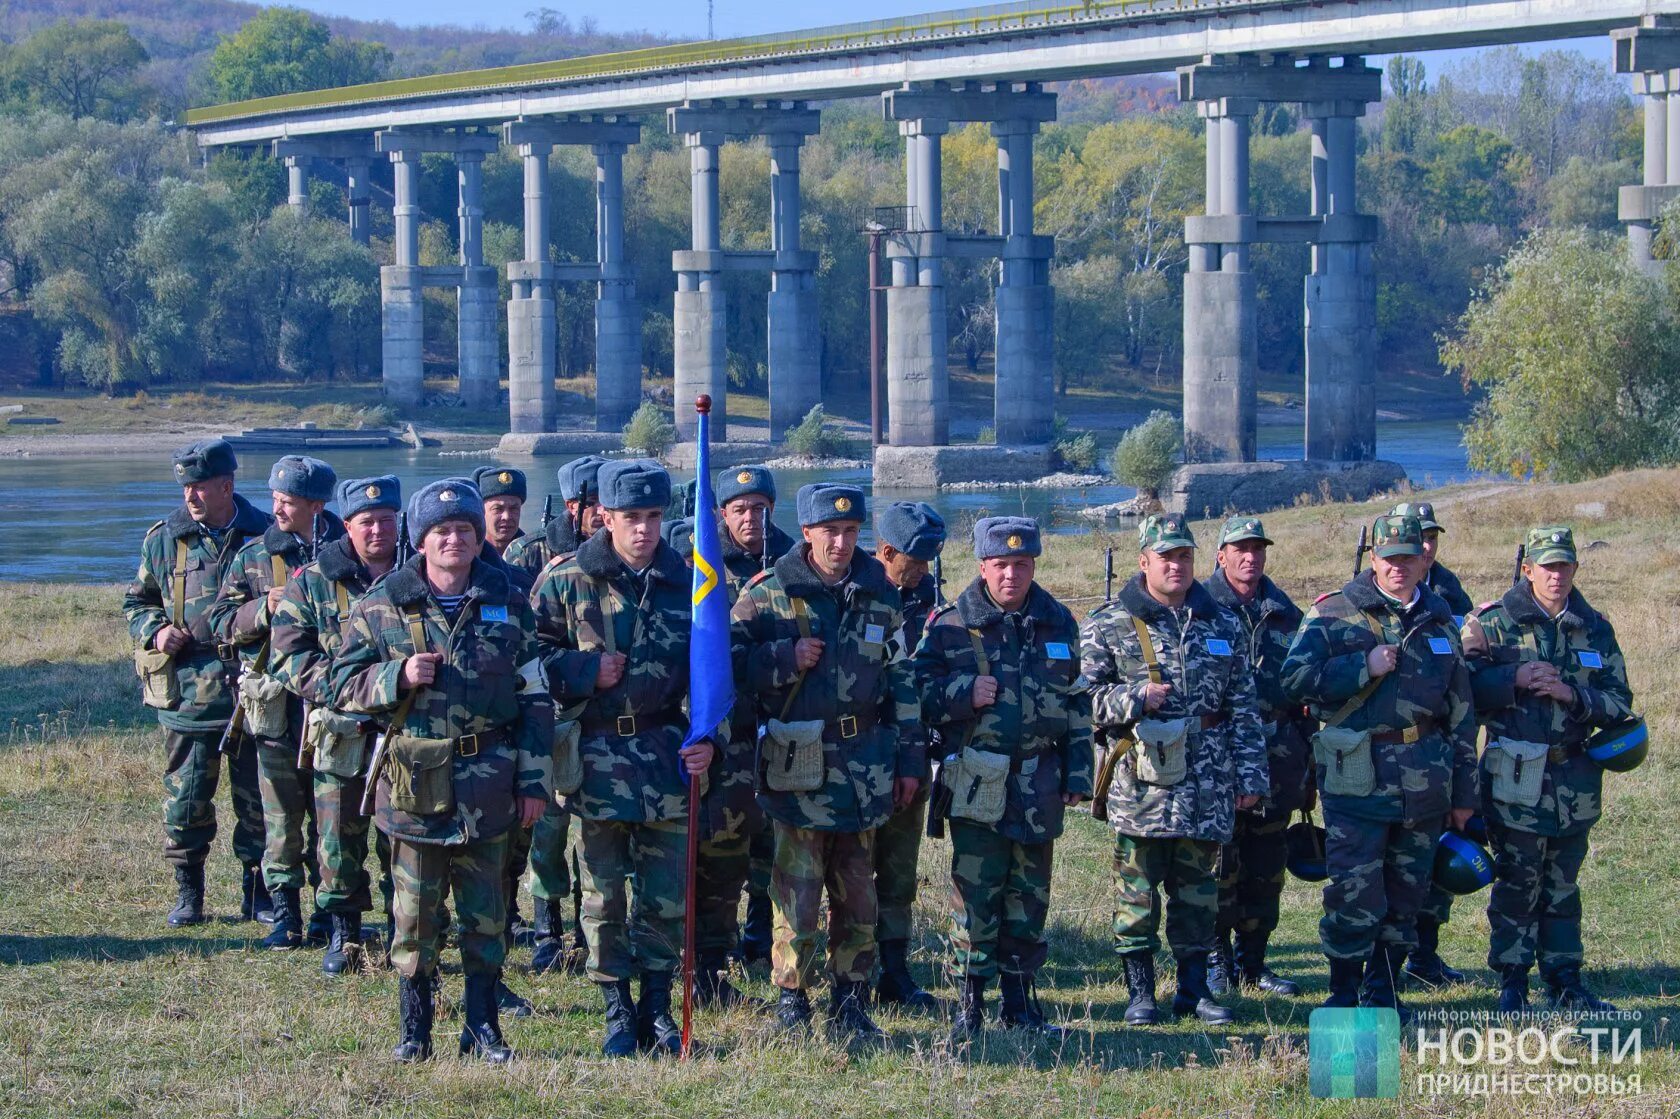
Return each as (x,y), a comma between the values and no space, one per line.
(634,876)
(898,850)
(519,857)
(720,872)
(288,801)
(1252,870)
(808,862)
(551,875)
(1535,907)
(1437,905)
(424,873)
(191,771)
(343,847)
(1000,896)
(1379,873)
(1144,868)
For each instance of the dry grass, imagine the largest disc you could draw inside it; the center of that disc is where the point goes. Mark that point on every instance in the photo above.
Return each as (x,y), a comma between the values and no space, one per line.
(107,1012)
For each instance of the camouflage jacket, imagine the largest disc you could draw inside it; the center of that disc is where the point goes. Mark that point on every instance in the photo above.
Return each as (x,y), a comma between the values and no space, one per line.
(744,565)
(309,627)
(531,552)
(1581,644)
(1326,668)
(1443,582)
(1203,653)
(522,579)
(918,608)
(149,605)
(1270,621)
(240,614)
(1042,716)
(635,777)
(857,679)
(489,684)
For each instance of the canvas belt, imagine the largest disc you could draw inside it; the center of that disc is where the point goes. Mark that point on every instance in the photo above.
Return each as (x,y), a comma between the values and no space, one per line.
(1405,736)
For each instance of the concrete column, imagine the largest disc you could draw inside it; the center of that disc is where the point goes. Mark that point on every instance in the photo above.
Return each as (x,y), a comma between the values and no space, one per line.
(1023,408)
(618,316)
(530,311)
(1233,184)
(794,322)
(297,184)
(700,356)
(1661,162)
(357,185)
(918,381)
(477,346)
(400,304)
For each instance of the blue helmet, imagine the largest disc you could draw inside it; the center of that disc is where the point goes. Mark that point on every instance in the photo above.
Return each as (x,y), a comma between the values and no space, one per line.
(1621,747)
(1462,866)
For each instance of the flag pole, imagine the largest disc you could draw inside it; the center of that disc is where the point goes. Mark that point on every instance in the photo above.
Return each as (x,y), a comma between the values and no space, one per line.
(703,406)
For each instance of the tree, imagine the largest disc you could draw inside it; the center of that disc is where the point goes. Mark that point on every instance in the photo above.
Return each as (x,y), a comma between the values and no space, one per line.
(1145,456)
(83,68)
(284,50)
(1577,351)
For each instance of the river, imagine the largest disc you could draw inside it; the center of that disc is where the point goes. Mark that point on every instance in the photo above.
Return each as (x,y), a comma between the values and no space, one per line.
(81,519)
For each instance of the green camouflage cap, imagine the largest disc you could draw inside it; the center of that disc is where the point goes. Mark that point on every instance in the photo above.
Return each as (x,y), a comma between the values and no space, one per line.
(1396,536)
(1242,528)
(1550,544)
(1424,511)
(1163,532)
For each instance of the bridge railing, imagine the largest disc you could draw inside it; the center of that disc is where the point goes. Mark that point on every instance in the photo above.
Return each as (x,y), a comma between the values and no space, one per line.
(964,23)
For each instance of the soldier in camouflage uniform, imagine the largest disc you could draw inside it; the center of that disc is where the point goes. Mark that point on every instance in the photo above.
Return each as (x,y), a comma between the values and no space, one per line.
(1186,698)
(1379,663)
(551,875)
(909,535)
(998,671)
(167,606)
(1546,673)
(241,616)
(308,630)
(614,622)
(812,652)
(751,542)
(1251,865)
(444,650)
(1425,964)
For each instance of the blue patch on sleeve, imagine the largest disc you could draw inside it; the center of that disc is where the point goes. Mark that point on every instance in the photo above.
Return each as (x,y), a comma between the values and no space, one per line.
(1057,651)
(1219,647)
(874,634)
(492,614)
(1590,659)
(1458,620)
(1440,646)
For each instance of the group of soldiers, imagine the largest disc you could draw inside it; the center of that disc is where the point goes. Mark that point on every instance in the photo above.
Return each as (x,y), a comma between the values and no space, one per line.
(470,689)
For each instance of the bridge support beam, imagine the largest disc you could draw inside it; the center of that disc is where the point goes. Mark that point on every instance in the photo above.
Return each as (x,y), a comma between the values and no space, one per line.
(1651,54)
(297,184)
(356,190)
(699,352)
(401,290)
(1024,398)
(618,314)
(478,350)
(795,328)
(530,310)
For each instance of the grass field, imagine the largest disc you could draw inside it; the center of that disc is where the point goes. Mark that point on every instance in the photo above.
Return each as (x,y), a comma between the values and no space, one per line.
(105,1011)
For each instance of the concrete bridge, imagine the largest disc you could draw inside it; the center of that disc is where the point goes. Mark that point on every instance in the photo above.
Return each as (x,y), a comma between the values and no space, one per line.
(929,72)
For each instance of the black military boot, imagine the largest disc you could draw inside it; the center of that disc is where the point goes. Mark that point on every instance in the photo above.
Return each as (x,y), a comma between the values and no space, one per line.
(897,987)
(1382,974)
(510,1002)
(319,931)
(1252,969)
(549,949)
(287,932)
(1222,970)
(621,1019)
(1513,989)
(189,897)
(416,1001)
(1568,992)
(970,1021)
(1020,1009)
(344,950)
(519,933)
(254,904)
(755,933)
(1140,986)
(793,1010)
(712,987)
(481,1035)
(656,1030)
(1193,996)
(848,1013)
(1345,977)
(1425,964)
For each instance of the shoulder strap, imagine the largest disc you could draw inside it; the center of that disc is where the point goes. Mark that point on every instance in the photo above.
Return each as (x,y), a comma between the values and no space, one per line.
(979,651)
(604,599)
(342,594)
(278,564)
(1149,658)
(804,622)
(1358,699)
(178,579)
(417,632)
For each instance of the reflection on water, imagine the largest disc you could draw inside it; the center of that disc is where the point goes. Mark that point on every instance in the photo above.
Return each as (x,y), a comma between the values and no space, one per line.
(81,519)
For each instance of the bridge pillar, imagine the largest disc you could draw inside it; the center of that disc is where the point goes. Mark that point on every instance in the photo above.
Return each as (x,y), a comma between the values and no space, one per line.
(530,310)
(1024,401)
(795,328)
(1341,297)
(618,315)
(478,350)
(1650,52)
(297,184)
(918,382)
(401,290)
(356,184)
(698,311)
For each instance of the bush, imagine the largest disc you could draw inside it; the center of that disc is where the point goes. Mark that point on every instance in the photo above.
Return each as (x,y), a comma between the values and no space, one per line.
(648,433)
(816,437)
(987,437)
(1147,454)
(1075,450)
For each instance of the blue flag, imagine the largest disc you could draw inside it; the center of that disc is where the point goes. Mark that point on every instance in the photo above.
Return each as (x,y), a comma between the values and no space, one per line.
(711,681)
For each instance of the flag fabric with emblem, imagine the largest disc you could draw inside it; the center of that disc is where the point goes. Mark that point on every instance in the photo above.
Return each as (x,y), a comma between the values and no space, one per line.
(711,682)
